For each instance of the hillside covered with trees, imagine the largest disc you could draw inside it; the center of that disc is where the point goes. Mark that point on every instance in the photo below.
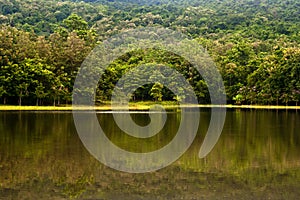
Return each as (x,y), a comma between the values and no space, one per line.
(255,44)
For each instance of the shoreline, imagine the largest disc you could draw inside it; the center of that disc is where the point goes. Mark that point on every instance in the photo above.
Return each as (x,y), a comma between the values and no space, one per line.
(137,107)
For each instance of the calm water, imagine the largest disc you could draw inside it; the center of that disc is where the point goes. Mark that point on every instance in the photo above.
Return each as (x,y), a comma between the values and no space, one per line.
(257,157)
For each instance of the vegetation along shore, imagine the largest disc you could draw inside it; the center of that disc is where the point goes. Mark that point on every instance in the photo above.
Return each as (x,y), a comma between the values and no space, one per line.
(255,45)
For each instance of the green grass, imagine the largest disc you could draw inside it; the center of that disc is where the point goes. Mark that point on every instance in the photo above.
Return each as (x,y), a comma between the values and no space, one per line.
(263,106)
(142,105)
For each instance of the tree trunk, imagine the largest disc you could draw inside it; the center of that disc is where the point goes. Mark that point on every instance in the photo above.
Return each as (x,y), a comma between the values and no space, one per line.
(4,100)
(20,98)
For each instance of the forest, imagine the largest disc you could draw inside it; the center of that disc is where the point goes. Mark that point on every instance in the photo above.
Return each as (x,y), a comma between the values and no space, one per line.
(254,43)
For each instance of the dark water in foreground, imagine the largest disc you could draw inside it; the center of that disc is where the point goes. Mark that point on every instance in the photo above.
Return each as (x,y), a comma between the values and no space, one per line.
(257,157)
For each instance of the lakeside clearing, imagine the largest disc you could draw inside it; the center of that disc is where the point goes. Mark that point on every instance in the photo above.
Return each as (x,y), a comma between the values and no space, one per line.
(144,106)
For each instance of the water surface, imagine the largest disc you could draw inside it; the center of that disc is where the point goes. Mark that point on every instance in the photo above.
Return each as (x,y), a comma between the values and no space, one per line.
(257,157)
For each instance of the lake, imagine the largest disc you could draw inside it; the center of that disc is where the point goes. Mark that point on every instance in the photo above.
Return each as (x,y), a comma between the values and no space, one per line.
(256,157)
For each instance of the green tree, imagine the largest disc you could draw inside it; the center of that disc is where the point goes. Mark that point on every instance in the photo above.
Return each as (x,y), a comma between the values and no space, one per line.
(156,91)
(2,93)
(40,93)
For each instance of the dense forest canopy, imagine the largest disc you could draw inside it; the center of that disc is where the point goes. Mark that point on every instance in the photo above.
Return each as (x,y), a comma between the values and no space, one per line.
(255,44)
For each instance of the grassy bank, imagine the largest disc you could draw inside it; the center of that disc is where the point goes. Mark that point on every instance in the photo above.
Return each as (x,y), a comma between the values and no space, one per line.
(134,106)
